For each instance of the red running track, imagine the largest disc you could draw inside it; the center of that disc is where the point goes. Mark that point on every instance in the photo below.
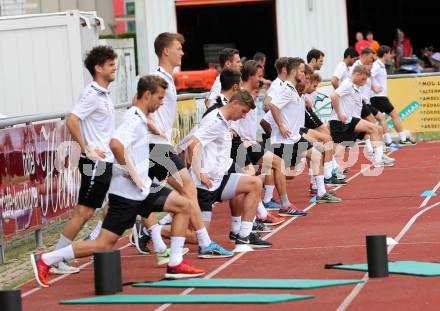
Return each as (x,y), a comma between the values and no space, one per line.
(331,233)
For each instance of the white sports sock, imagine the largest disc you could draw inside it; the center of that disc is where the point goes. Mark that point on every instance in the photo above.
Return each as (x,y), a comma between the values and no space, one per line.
(156,237)
(95,232)
(335,163)
(312,179)
(261,211)
(245,229)
(402,136)
(378,154)
(207,216)
(203,237)
(368,145)
(166,219)
(65,253)
(176,255)
(320,184)
(268,193)
(235,224)
(328,167)
(285,200)
(62,242)
(145,230)
(387,138)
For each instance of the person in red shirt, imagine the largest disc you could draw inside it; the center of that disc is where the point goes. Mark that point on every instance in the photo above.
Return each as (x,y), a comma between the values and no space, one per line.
(361,42)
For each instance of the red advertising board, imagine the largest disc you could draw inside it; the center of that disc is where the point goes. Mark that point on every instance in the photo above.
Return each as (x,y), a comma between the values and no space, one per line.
(38,183)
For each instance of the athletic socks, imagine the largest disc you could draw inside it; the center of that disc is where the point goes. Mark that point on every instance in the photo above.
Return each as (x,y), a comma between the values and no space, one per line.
(166,219)
(312,179)
(156,237)
(203,237)
(387,138)
(378,154)
(402,136)
(320,185)
(65,253)
(328,167)
(62,242)
(207,216)
(176,255)
(235,224)
(335,163)
(369,146)
(261,211)
(245,229)
(285,200)
(268,193)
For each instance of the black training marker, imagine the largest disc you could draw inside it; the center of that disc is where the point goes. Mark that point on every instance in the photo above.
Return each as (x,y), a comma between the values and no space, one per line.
(377,256)
(105,279)
(117,270)
(10,300)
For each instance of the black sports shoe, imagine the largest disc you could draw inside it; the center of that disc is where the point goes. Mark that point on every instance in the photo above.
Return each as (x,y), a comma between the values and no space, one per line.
(253,240)
(259,226)
(233,236)
(334,181)
(140,238)
(407,141)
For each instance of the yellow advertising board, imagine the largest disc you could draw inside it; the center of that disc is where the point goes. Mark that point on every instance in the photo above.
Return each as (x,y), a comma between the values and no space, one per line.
(418,101)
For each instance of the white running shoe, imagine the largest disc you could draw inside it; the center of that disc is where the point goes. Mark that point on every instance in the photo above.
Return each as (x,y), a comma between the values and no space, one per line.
(388,159)
(164,258)
(63,268)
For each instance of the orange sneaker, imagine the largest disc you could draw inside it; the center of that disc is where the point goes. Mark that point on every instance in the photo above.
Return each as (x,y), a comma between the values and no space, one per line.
(272,220)
(41,270)
(183,271)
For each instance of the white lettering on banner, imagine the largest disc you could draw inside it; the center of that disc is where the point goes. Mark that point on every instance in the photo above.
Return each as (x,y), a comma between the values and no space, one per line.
(15,203)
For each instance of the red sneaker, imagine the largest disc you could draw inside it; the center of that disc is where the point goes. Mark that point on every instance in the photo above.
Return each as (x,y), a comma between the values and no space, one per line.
(272,220)
(183,271)
(41,270)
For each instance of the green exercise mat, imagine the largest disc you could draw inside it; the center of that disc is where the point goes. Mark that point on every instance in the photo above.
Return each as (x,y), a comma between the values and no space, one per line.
(400,267)
(196,299)
(249,283)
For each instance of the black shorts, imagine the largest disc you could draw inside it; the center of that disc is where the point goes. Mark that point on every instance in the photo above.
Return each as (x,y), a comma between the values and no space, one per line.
(312,121)
(122,212)
(207,198)
(95,181)
(344,133)
(367,110)
(244,156)
(382,103)
(164,162)
(289,152)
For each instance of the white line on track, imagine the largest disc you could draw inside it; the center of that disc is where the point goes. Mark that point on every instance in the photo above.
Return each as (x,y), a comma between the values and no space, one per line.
(429,198)
(235,258)
(356,290)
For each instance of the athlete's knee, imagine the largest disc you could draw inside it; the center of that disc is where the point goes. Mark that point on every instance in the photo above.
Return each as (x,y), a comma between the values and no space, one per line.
(183,205)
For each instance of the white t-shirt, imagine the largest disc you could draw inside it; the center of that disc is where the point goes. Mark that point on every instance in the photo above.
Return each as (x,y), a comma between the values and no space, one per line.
(164,116)
(216,140)
(350,101)
(379,78)
(341,72)
(275,87)
(215,91)
(132,133)
(292,111)
(97,114)
(366,88)
(247,127)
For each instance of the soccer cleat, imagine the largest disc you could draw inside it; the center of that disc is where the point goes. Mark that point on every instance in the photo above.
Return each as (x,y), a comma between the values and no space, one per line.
(183,271)
(41,270)
(272,205)
(164,257)
(291,211)
(272,220)
(258,226)
(253,240)
(408,141)
(334,181)
(140,238)
(327,198)
(214,250)
(63,267)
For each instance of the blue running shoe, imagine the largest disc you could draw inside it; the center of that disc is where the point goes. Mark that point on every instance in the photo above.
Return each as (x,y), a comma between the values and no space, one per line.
(214,251)
(272,205)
